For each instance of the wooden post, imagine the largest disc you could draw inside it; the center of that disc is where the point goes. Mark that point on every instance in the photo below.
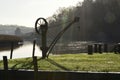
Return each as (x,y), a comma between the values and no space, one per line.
(35,68)
(5,63)
(100,48)
(90,49)
(12,46)
(34,42)
(95,48)
(106,48)
(118,48)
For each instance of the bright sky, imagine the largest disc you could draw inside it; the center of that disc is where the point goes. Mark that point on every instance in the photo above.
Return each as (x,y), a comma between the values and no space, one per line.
(25,12)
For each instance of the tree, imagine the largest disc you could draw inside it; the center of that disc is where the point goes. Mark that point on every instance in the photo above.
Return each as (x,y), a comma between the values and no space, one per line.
(18,31)
(99,21)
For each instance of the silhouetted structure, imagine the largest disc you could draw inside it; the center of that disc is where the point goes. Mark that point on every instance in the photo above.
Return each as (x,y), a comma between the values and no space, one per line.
(42,26)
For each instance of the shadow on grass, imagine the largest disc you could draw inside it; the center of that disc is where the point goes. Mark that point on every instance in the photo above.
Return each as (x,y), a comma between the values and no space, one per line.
(29,65)
(23,65)
(58,65)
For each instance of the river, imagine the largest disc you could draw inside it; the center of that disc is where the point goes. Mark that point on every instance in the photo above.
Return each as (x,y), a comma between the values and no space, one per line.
(23,51)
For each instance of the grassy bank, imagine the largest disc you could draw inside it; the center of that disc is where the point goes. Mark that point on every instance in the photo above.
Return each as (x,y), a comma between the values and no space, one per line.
(71,62)
(9,38)
(6,41)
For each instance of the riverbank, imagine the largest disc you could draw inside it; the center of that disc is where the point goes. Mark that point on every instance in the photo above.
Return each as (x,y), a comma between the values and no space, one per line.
(9,41)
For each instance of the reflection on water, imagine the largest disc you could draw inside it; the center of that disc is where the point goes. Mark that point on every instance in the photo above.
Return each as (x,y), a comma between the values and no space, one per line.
(22,52)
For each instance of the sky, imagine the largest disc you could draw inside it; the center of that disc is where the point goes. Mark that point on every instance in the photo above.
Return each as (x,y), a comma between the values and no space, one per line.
(25,12)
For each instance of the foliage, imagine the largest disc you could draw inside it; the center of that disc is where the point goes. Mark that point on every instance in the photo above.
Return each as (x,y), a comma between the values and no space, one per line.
(99,21)
(107,62)
(10,29)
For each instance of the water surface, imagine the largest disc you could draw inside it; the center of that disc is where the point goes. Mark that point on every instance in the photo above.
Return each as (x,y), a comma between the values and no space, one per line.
(22,52)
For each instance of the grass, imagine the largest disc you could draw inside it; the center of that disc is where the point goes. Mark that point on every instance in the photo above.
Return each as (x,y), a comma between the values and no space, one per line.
(108,62)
